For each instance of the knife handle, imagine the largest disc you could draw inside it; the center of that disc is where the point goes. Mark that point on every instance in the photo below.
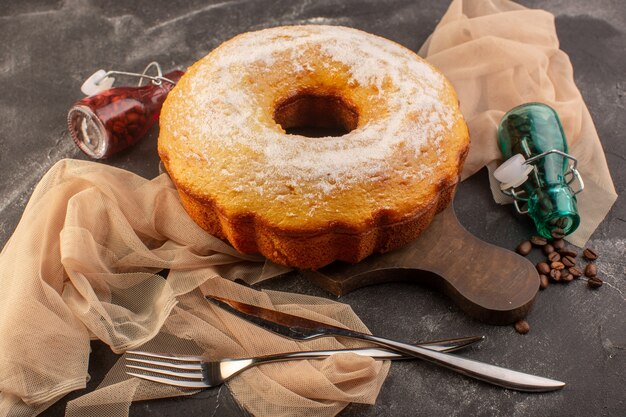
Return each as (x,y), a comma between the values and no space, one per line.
(492,374)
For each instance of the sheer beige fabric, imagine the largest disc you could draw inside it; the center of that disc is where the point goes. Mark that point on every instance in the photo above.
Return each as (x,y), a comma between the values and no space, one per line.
(498,54)
(82,264)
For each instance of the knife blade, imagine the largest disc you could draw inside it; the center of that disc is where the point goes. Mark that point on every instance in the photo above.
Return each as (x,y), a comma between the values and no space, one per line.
(295,327)
(300,328)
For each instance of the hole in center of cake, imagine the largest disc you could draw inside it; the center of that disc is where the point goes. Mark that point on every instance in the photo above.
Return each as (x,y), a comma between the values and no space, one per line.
(316,116)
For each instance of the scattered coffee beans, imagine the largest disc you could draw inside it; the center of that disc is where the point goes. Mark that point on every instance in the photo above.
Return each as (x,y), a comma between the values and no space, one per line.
(591,270)
(554,257)
(566,277)
(522,327)
(543,282)
(594,282)
(543,268)
(568,261)
(524,248)
(557,265)
(567,252)
(590,254)
(538,240)
(577,273)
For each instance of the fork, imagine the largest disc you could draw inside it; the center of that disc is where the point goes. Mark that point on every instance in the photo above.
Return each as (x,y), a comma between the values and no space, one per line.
(196,372)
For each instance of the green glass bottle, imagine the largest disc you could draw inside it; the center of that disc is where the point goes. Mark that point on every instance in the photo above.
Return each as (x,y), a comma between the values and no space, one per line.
(534,131)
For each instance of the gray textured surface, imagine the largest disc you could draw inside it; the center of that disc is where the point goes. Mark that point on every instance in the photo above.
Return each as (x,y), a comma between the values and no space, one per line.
(578,335)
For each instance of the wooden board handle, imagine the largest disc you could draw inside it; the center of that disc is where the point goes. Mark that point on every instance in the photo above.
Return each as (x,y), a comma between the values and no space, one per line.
(489,283)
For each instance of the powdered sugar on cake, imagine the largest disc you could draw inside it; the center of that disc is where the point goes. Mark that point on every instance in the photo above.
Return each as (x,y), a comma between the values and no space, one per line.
(220,115)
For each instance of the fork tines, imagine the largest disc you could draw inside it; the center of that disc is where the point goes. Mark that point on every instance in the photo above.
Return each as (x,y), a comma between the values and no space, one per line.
(185,370)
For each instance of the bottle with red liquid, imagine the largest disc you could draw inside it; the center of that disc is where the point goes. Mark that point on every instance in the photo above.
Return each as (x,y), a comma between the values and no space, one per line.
(116,118)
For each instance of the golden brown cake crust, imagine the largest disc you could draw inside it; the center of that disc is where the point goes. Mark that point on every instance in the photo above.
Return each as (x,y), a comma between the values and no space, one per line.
(236,189)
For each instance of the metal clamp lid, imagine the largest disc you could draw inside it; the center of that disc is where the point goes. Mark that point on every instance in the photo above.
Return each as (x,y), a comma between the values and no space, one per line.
(515,171)
(101,80)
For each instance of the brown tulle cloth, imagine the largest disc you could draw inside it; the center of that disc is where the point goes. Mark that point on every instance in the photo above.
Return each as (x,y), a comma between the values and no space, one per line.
(84,259)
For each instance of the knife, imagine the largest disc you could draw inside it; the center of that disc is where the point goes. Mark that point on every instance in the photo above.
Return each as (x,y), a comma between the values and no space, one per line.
(300,328)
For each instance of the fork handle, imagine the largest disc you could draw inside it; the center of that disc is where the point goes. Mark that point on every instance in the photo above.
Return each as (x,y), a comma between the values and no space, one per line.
(493,374)
(374,353)
(447,345)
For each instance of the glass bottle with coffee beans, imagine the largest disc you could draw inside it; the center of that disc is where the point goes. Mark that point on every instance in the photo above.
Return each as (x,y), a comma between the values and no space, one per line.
(537,171)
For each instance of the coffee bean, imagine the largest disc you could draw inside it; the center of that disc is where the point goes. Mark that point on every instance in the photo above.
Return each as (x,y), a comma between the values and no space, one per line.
(538,240)
(545,204)
(566,277)
(591,270)
(577,273)
(557,265)
(558,233)
(548,249)
(567,252)
(594,282)
(522,327)
(543,268)
(524,248)
(590,254)
(554,257)
(555,274)
(558,244)
(543,282)
(568,261)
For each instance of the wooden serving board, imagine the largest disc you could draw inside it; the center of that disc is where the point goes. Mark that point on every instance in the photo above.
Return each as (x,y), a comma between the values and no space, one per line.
(489,283)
